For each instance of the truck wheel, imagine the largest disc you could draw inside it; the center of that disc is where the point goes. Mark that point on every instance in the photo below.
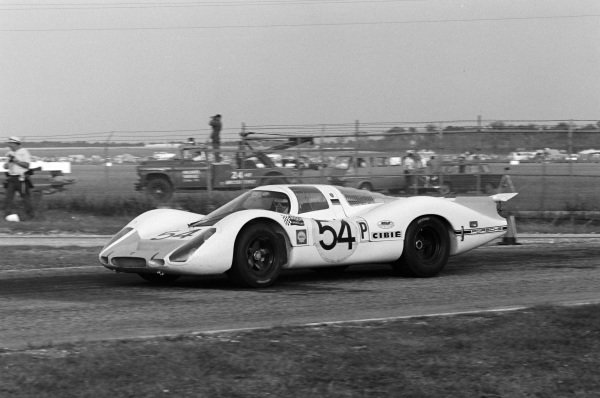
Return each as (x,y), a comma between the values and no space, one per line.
(257,257)
(366,186)
(159,189)
(426,248)
(274,180)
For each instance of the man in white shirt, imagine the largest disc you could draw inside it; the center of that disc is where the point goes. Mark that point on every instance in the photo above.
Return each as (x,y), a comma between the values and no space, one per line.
(409,168)
(17,177)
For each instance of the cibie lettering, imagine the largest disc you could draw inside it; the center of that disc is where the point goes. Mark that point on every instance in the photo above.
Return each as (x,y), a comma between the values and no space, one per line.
(386,235)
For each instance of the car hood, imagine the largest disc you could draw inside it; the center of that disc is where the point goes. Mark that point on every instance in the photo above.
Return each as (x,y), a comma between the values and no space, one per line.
(152,247)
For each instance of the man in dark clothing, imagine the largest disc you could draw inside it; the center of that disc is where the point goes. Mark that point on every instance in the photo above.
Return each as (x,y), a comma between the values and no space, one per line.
(215,136)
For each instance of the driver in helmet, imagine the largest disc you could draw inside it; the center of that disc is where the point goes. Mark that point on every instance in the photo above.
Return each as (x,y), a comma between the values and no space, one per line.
(281,205)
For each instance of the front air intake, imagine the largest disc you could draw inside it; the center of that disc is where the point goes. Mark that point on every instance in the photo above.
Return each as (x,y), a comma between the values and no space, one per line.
(129,262)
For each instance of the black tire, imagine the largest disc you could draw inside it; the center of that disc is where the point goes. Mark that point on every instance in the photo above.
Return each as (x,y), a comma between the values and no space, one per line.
(274,180)
(160,279)
(159,189)
(258,256)
(366,186)
(426,248)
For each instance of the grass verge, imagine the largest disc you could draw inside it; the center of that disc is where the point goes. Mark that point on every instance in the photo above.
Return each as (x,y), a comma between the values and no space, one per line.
(541,352)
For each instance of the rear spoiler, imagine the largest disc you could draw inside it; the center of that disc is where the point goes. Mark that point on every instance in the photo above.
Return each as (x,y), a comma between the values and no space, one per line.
(488,205)
(503,197)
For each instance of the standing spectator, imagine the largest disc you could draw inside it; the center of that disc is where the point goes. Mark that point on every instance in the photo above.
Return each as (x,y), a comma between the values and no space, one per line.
(17,179)
(216,125)
(409,164)
(462,163)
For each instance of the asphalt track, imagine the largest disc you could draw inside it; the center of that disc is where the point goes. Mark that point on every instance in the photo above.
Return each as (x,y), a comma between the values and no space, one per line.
(87,302)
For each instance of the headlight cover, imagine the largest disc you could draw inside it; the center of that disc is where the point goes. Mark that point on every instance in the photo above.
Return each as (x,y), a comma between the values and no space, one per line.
(183,253)
(118,236)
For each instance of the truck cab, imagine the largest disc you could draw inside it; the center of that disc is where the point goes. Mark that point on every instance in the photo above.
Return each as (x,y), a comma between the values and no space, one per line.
(194,168)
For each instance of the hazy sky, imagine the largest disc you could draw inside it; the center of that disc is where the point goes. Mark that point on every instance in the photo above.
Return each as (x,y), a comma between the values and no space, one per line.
(80,69)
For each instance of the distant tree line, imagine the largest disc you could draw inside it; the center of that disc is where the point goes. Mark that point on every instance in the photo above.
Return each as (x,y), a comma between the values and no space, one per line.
(496,138)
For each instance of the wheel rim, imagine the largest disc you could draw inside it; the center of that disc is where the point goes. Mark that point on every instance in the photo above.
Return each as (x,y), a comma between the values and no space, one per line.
(427,244)
(158,190)
(260,256)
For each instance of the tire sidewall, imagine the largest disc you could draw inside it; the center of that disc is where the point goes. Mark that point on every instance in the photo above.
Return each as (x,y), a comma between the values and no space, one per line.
(239,270)
(411,261)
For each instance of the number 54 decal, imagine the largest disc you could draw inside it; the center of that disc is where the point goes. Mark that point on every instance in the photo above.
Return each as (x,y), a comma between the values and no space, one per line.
(329,233)
(335,240)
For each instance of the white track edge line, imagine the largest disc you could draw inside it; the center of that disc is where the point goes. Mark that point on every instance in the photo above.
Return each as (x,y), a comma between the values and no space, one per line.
(351,321)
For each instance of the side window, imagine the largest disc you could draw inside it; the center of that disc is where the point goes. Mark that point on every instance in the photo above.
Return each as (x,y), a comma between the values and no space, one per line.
(395,161)
(267,200)
(309,199)
(361,162)
(382,162)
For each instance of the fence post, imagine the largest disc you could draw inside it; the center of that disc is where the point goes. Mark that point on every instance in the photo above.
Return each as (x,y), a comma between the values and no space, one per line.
(322,157)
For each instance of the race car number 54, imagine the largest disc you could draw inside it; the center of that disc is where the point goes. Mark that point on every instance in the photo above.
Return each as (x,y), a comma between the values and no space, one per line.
(344,235)
(335,240)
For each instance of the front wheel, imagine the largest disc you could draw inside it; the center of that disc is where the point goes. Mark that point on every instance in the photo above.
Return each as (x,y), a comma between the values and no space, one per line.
(426,248)
(258,256)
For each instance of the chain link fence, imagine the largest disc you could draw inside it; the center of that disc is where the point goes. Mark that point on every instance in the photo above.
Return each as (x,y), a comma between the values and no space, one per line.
(554,165)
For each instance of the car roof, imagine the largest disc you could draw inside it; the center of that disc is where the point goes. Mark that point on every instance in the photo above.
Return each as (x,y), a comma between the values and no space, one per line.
(350,194)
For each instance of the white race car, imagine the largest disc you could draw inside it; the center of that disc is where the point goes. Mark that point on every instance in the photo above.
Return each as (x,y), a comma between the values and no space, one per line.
(275,227)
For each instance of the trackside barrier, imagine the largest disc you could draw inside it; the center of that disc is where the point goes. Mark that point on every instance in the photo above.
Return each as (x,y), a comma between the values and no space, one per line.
(510,238)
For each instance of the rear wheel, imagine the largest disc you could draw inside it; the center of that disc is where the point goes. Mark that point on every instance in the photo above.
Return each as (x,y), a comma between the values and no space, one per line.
(160,279)
(258,256)
(426,248)
(159,189)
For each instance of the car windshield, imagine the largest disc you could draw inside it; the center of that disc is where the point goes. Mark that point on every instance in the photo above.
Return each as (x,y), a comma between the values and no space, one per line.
(251,200)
